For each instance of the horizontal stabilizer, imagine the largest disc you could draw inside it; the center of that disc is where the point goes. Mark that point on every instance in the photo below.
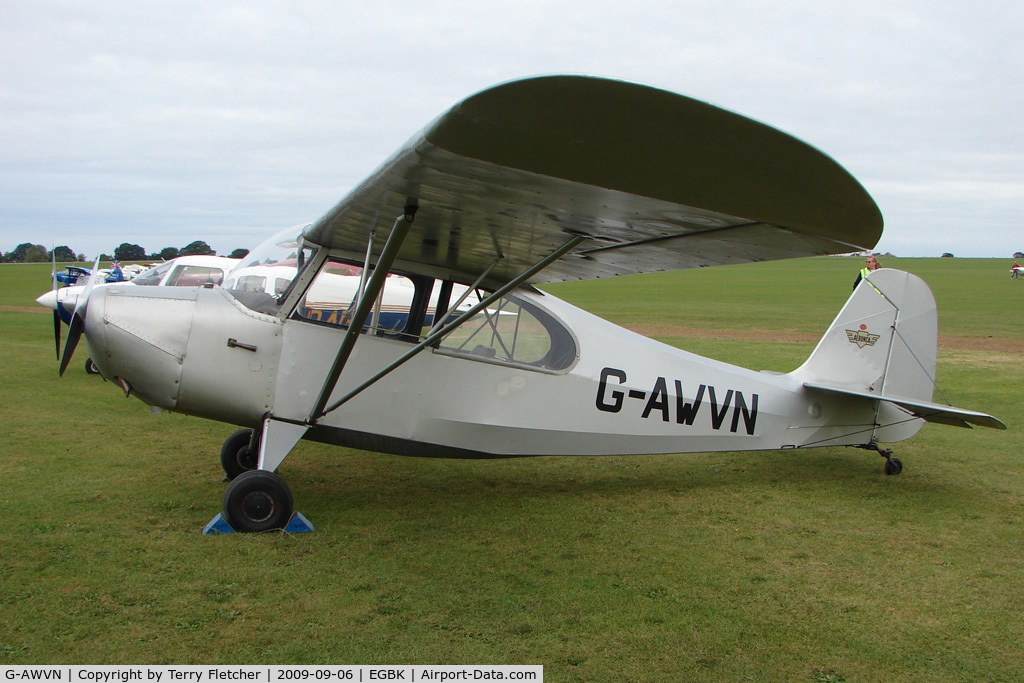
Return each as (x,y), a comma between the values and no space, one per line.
(926,410)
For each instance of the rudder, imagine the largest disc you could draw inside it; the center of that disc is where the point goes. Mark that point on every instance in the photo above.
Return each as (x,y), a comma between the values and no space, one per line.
(882,343)
(884,339)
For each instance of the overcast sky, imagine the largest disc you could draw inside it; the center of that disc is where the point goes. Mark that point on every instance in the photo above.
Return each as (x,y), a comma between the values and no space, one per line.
(159,123)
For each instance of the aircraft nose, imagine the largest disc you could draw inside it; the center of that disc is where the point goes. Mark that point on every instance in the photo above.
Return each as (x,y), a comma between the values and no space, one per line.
(62,300)
(138,338)
(49,299)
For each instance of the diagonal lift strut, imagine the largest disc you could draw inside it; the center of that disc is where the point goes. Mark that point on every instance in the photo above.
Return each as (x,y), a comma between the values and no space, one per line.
(437,335)
(363,308)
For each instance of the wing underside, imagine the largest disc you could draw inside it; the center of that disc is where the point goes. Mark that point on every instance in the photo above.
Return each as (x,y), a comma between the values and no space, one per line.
(654,180)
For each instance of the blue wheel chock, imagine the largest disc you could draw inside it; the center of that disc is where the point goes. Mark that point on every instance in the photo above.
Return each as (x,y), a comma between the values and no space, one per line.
(298,524)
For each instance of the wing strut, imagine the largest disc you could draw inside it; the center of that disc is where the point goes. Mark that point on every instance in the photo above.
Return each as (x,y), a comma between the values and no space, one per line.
(434,337)
(450,310)
(366,301)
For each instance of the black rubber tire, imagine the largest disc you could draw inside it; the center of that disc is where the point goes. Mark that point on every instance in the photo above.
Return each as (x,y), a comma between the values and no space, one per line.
(90,367)
(893,466)
(257,501)
(235,455)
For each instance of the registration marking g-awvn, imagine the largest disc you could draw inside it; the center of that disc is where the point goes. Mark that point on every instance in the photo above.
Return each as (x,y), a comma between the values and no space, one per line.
(659,402)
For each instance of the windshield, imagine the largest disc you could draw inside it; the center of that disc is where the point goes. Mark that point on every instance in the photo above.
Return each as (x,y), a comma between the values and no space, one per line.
(262,277)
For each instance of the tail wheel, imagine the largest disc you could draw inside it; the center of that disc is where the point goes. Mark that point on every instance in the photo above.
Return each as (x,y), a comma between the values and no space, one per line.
(236,456)
(257,501)
(893,466)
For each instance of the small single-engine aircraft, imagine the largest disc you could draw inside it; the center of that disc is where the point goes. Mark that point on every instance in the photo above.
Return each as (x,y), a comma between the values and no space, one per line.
(79,275)
(534,181)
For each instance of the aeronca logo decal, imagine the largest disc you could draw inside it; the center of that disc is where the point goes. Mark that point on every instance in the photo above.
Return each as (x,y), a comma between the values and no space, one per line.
(733,411)
(861,337)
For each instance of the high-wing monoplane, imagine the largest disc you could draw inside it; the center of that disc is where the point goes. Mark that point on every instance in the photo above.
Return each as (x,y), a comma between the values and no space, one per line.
(530,182)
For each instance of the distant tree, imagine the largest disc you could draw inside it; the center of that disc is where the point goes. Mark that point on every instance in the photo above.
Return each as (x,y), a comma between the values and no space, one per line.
(62,253)
(947,255)
(130,252)
(239,253)
(17,255)
(197,248)
(37,254)
(105,257)
(81,257)
(166,254)
(1018,254)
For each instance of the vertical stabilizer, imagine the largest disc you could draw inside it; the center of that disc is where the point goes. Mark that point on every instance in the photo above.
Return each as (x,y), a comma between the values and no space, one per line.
(882,343)
(883,340)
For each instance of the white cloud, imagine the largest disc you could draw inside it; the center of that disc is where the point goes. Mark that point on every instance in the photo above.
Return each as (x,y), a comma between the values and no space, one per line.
(160,123)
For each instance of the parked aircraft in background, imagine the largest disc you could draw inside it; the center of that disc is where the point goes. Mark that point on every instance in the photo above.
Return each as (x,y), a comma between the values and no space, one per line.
(272,268)
(78,275)
(534,181)
(183,271)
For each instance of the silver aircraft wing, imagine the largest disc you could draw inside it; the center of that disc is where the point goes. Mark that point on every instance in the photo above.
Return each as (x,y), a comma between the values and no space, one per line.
(655,181)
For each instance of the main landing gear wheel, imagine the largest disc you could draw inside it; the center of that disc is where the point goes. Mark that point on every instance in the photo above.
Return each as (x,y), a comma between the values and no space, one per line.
(236,456)
(257,501)
(90,367)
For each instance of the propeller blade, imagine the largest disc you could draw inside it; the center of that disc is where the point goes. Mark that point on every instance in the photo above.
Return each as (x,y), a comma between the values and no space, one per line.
(56,330)
(78,319)
(83,297)
(74,334)
(53,286)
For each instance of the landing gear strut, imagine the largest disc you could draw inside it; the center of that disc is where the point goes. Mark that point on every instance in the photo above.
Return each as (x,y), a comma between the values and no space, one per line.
(892,465)
(258,499)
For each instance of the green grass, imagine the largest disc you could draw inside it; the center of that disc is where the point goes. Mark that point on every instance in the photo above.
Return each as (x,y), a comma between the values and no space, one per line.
(975,297)
(796,566)
(23,282)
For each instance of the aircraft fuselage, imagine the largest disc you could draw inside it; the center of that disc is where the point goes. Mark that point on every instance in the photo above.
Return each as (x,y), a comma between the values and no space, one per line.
(201,352)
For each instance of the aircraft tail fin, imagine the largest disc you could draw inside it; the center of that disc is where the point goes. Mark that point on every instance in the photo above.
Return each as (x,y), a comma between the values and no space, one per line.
(882,346)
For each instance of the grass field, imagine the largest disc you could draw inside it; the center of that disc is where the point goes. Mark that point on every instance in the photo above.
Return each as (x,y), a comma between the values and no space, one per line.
(795,566)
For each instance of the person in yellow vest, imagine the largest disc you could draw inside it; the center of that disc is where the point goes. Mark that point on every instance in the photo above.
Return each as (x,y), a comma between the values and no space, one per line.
(872,264)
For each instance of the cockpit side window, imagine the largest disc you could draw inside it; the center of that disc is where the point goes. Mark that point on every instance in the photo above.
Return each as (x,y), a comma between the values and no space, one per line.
(332,297)
(152,276)
(511,331)
(195,276)
(517,332)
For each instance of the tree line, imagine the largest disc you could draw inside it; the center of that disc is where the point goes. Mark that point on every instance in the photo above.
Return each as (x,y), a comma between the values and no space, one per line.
(37,253)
